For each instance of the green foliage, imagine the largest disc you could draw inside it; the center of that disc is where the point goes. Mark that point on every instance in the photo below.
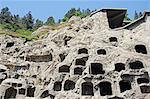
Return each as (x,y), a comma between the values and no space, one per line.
(9,26)
(24,32)
(85,13)
(65,19)
(78,13)
(70,13)
(5,15)
(50,21)
(38,24)
(29,21)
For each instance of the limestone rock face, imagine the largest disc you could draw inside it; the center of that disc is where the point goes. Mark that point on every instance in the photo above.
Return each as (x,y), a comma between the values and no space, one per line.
(84,60)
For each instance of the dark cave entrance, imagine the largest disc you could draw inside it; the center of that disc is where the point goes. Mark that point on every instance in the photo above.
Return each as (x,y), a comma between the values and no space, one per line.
(124,85)
(119,67)
(69,85)
(105,88)
(113,39)
(142,80)
(136,65)
(78,71)
(81,61)
(97,68)
(141,49)
(30,91)
(83,51)
(10,93)
(101,52)
(57,86)
(22,91)
(64,68)
(87,88)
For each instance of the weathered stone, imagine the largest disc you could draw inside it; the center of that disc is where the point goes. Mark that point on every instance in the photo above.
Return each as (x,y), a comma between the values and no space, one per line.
(83,60)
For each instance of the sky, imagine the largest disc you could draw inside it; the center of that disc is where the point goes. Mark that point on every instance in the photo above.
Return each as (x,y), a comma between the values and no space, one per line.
(42,9)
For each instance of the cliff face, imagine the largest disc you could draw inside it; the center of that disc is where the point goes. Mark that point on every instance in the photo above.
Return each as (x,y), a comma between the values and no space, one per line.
(85,59)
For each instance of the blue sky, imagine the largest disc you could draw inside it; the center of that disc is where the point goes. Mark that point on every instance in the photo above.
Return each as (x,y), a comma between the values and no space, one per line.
(42,9)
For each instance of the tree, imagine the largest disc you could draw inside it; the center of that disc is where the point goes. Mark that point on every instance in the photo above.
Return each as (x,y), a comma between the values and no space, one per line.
(50,21)
(29,21)
(16,19)
(23,23)
(5,15)
(136,15)
(85,13)
(78,12)
(65,19)
(38,23)
(59,20)
(140,14)
(70,13)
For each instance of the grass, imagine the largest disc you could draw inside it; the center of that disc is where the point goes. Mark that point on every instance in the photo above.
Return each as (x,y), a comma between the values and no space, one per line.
(18,33)
(7,29)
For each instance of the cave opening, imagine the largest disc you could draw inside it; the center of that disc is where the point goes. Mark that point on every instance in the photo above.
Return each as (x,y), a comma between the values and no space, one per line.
(124,85)
(78,71)
(101,52)
(145,89)
(30,91)
(22,91)
(105,88)
(10,93)
(69,85)
(83,51)
(119,67)
(81,61)
(10,44)
(113,39)
(141,49)
(64,68)
(136,65)
(142,80)
(87,88)
(97,68)
(57,86)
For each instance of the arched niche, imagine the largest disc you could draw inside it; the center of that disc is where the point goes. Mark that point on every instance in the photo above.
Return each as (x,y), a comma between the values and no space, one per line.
(10,93)
(64,68)
(87,88)
(57,86)
(113,39)
(140,49)
(124,85)
(136,65)
(69,85)
(81,61)
(30,91)
(142,80)
(101,52)
(83,51)
(78,71)
(105,88)
(97,68)
(119,67)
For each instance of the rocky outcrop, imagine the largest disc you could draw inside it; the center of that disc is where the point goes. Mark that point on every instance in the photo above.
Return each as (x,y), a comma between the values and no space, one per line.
(84,60)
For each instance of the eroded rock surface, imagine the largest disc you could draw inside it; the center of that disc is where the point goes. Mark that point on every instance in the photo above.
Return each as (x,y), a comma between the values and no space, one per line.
(85,60)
